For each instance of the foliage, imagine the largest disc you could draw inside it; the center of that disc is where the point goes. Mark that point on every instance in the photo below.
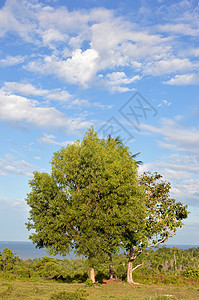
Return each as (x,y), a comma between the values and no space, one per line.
(191,272)
(88,202)
(89,282)
(184,272)
(164,216)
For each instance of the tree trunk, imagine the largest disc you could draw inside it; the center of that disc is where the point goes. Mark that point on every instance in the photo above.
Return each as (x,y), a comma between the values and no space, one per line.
(92,274)
(111,271)
(129,272)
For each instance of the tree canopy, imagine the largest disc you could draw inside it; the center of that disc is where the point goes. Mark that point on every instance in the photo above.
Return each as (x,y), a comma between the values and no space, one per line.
(88,202)
(94,202)
(163,217)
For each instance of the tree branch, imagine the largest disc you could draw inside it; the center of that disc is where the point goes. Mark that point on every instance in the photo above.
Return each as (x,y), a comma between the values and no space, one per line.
(137,266)
(161,241)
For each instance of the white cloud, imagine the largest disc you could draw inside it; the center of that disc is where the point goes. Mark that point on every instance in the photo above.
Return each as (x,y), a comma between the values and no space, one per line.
(185,79)
(9,165)
(14,20)
(51,35)
(79,69)
(164,103)
(194,52)
(115,80)
(168,66)
(187,191)
(182,171)
(180,28)
(50,139)
(17,203)
(23,89)
(85,42)
(37,157)
(28,89)
(12,60)
(176,136)
(62,96)
(120,89)
(17,109)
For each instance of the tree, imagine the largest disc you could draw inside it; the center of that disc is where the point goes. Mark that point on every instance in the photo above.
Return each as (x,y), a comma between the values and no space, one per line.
(163,217)
(88,201)
(137,163)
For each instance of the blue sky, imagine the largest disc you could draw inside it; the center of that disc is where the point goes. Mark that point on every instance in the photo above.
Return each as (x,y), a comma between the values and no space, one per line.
(130,68)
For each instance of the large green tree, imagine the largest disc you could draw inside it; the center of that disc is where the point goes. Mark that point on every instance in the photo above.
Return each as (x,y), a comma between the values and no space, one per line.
(89,200)
(163,217)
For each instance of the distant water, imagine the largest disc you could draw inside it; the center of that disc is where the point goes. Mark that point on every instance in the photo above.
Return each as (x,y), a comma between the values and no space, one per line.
(183,247)
(27,250)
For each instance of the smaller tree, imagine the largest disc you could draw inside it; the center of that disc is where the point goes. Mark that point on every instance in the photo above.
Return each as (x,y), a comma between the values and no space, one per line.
(164,216)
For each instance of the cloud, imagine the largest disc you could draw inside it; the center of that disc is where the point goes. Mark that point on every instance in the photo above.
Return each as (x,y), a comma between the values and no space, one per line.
(58,95)
(78,69)
(18,109)
(187,191)
(17,203)
(180,28)
(51,36)
(182,171)
(168,66)
(13,19)
(194,52)
(8,165)
(164,103)
(49,139)
(175,136)
(78,45)
(27,89)
(37,157)
(115,80)
(185,79)
(12,60)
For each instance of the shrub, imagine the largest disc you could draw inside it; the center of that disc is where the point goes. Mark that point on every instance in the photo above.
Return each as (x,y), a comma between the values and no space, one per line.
(191,272)
(51,270)
(89,282)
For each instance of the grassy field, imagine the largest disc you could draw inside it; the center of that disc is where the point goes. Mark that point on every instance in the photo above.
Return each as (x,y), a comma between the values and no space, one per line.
(114,290)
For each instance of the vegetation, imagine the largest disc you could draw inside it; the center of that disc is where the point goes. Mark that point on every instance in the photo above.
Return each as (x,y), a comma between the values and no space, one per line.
(167,273)
(117,291)
(158,266)
(89,201)
(94,202)
(163,216)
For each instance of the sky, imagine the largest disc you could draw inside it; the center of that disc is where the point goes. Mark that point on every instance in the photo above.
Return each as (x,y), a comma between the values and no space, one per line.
(129,68)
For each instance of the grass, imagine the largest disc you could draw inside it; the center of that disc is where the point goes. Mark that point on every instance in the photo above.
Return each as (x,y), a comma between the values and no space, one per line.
(121,291)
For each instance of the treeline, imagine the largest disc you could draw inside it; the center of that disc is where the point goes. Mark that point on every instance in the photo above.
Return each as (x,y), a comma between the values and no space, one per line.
(167,265)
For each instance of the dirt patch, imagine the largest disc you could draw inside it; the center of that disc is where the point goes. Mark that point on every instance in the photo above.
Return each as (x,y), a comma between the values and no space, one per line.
(111,280)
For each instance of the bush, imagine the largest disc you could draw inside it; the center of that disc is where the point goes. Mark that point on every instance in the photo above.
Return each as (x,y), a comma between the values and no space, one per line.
(89,282)
(51,270)
(191,272)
